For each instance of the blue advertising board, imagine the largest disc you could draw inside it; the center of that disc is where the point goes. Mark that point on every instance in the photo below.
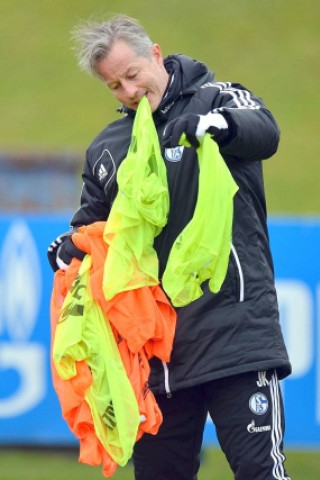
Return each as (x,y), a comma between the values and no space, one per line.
(29,410)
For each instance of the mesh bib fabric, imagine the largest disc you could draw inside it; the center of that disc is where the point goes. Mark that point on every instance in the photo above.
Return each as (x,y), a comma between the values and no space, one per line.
(201,251)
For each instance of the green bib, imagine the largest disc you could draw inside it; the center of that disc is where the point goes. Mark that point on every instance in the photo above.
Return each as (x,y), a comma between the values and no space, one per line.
(201,251)
(84,333)
(139,212)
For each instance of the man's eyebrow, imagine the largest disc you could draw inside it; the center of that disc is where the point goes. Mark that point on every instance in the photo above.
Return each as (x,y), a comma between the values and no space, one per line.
(132,67)
(129,69)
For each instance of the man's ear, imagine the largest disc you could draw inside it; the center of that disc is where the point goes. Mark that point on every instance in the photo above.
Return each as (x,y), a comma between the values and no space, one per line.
(157,53)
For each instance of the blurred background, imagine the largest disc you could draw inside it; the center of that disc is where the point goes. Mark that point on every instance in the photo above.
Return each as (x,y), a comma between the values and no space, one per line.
(49,113)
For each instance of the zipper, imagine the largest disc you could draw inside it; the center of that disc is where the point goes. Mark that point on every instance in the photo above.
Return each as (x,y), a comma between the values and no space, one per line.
(240,272)
(166,379)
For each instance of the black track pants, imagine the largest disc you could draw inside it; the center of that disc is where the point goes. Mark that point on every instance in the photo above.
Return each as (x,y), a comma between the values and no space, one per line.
(247,412)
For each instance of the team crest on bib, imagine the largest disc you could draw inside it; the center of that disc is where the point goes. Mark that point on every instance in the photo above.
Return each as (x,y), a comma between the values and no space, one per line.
(174,154)
(258,403)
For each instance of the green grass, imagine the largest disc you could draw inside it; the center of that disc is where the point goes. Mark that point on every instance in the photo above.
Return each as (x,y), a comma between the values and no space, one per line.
(44,465)
(272,47)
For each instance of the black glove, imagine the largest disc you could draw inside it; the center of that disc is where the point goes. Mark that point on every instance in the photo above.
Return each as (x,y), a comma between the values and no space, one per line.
(62,250)
(195,127)
(186,124)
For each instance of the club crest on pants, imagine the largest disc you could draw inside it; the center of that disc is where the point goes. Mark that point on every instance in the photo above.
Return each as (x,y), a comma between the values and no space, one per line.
(258,403)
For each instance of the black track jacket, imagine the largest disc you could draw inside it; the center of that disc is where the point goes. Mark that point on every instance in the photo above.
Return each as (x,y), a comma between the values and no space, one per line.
(236,330)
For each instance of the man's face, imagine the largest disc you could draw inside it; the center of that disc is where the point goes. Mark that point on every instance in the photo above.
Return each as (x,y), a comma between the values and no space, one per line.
(130,77)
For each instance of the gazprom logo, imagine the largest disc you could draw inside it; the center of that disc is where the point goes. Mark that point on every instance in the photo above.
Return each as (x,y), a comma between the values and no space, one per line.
(174,154)
(22,361)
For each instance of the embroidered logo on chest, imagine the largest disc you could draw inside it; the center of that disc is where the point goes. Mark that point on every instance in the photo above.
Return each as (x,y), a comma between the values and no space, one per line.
(174,154)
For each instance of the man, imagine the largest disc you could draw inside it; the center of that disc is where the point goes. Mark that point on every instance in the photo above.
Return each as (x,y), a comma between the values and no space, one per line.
(228,353)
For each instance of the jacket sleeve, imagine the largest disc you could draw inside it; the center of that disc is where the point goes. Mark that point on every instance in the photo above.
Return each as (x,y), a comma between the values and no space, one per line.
(254,133)
(93,204)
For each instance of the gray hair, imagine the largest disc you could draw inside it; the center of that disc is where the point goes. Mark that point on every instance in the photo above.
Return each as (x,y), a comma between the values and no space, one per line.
(93,41)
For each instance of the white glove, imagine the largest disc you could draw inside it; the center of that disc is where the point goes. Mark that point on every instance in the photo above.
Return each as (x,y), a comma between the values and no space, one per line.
(194,126)
(211,121)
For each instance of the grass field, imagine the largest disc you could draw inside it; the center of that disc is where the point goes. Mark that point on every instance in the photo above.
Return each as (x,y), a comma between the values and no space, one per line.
(272,47)
(43,465)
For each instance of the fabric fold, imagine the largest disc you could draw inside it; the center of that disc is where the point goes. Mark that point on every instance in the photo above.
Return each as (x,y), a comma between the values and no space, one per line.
(83,333)
(201,251)
(94,346)
(139,211)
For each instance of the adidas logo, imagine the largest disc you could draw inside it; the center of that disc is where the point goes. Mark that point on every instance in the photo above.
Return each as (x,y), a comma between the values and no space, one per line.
(102,173)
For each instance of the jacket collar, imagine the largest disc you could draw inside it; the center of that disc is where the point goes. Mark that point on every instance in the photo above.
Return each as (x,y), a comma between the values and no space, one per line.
(185,77)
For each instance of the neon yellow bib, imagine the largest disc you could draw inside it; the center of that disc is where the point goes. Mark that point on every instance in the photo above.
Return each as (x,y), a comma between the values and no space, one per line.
(139,211)
(84,333)
(201,251)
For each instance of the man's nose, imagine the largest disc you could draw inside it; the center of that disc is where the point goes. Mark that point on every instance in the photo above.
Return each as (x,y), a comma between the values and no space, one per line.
(130,90)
